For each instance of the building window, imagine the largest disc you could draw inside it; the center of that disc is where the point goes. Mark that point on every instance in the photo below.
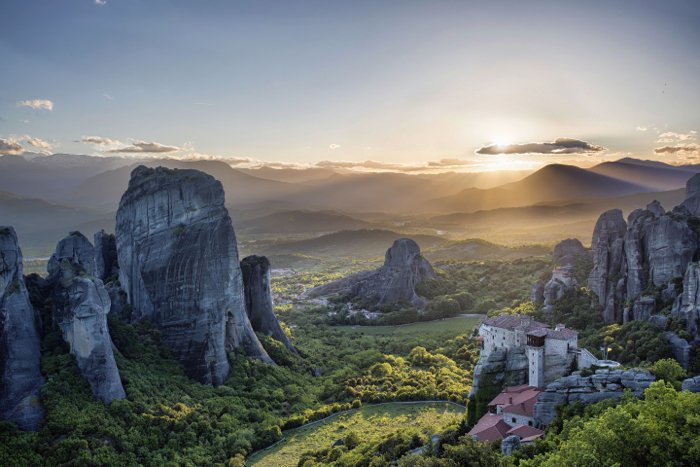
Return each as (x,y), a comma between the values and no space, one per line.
(529,422)
(513,419)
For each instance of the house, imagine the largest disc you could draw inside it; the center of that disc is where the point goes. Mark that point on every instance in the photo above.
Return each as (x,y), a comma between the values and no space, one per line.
(510,413)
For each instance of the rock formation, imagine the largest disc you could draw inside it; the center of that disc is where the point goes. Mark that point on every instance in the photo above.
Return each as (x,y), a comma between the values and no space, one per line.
(566,255)
(258,298)
(502,367)
(604,384)
(20,347)
(178,264)
(394,283)
(77,249)
(691,384)
(639,266)
(80,307)
(105,263)
(608,261)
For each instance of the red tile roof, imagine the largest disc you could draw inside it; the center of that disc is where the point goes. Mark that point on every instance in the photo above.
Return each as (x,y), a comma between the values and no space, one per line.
(514,321)
(517,399)
(490,427)
(525,431)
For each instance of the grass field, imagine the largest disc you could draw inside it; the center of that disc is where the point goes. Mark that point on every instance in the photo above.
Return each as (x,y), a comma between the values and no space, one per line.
(369,422)
(449,326)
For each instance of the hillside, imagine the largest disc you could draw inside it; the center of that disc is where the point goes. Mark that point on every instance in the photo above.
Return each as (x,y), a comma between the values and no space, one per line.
(656,177)
(554,182)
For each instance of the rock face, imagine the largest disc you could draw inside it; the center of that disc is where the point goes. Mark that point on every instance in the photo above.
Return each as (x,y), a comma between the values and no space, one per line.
(178,264)
(691,384)
(258,298)
(608,261)
(565,256)
(80,307)
(105,264)
(638,267)
(20,358)
(77,249)
(394,283)
(502,367)
(604,384)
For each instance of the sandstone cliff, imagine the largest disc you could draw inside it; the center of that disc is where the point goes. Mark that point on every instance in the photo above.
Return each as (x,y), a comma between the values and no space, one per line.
(20,358)
(178,264)
(394,283)
(258,298)
(80,307)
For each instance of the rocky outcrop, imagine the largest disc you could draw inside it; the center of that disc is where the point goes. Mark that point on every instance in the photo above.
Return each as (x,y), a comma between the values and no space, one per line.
(80,310)
(510,444)
(75,248)
(609,265)
(680,348)
(604,384)
(502,367)
(568,252)
(20,357)
(80,307)
(687,304)
(178,264)
(392,284)
(692,196)
(691,384)
(105,263)
(258,298)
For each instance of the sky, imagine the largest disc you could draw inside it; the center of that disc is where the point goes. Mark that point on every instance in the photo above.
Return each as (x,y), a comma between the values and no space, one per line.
(406,84)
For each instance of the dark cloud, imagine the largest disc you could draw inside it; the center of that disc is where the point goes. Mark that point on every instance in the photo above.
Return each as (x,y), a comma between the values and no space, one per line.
(686,149)
(143,146)
(10,146)
(558,146)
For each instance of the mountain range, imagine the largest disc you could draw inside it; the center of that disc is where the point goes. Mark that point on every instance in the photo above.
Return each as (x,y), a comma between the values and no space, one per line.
(44,196)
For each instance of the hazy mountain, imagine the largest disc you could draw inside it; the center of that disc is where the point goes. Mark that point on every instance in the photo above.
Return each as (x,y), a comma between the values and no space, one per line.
(40,224)
(290,175)
(294,222)
(51,177)
(554,182)
(105,189)
(656,176)
(354,243)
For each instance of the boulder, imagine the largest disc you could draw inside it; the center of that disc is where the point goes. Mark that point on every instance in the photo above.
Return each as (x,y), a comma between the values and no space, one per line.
(178,264)
(509,444)
(20,346)
(392,284)
(258,298)
(691,384)
(679,347)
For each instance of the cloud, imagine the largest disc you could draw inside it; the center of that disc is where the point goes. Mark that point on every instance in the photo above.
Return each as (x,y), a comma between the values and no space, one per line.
(10,146)
(37,104)
(558,146)
(449,163)
(39,144)
(673,137)
(99,141)
(642,128)
(334,146)
(691,149)
(108,97)
(145,147)
(100,2)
